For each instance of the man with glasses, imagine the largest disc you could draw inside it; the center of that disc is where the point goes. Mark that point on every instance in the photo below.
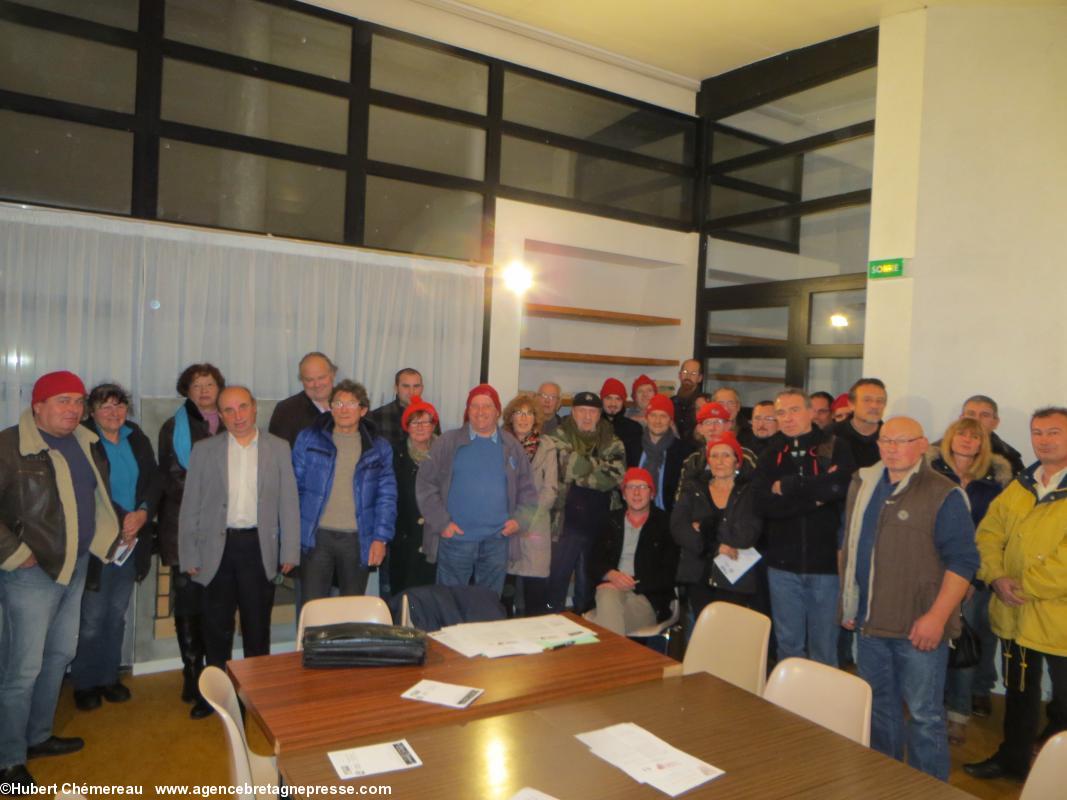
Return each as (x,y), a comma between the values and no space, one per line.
(55,509)
(293,414)
(690,384)
(407,383)
(550,396)
(906,561)
(798,487)
(764,426)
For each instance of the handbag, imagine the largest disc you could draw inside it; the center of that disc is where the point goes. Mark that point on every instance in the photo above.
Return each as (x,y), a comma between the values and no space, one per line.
(966,649)
(362,644)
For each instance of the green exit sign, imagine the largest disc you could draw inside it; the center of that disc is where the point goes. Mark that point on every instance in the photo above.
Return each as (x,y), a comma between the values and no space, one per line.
(885,268)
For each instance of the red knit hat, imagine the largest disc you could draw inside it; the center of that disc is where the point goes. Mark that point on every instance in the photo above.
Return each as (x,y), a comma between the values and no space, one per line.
(841,401)
(660,402)
(729,439)
(713,411)
(613,386)
(417,406)
(54,383)
(639,474)
(488,391)
(642,380)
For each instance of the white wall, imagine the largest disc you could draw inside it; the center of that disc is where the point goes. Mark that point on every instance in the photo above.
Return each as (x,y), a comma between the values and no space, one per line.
(601,264)
(974,98)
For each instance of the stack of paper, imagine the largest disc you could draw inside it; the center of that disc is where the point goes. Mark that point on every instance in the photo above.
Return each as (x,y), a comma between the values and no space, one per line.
(733,568)
(648,759)
(357,762)
(443,694)
(509,637)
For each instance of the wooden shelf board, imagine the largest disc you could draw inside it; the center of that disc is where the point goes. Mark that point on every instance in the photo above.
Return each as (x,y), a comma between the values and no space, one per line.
(597,315)
(590,358)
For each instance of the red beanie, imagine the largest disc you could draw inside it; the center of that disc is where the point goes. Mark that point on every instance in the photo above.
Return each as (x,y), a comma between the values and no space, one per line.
(641,381)
(661,402)
(54,383)
(840,402)
(488,391)
(639,474)
(726,438)
(613,386)
(417,406)
(713,411)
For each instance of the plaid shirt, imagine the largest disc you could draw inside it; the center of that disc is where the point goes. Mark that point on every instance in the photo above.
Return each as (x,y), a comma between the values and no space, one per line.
(387,420)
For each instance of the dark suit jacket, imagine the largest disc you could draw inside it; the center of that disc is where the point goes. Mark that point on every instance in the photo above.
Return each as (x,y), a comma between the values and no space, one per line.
(292,415)
(655,562)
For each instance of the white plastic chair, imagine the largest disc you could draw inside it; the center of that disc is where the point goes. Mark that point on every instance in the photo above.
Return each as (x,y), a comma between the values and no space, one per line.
(347,608)
(730,642)
(249,769)
(825,695)
(648,631)
(1048,775)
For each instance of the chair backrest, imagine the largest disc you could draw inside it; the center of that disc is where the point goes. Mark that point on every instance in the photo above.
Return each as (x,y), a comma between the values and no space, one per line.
(347,608)
(1048,775)
(825,695)
(730,642)
(216,688)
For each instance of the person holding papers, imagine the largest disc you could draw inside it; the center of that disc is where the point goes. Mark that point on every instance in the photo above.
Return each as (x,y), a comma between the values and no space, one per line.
(712,517)
(633,563)
(136,486)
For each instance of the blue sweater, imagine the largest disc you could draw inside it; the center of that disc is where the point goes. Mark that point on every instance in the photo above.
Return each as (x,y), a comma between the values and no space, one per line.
(478,496)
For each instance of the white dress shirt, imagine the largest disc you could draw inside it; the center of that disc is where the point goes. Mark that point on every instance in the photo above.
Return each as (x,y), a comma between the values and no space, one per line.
(242,471)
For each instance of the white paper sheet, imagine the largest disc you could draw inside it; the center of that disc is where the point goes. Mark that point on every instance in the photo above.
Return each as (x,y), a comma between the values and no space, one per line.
(732,569)
(443,694)
(373,759)
(526,793)
(122,552)
(648,759)
(525,635)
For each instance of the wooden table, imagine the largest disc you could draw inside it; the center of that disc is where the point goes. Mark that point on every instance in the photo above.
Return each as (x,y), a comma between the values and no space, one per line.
(299,707)
(767,752)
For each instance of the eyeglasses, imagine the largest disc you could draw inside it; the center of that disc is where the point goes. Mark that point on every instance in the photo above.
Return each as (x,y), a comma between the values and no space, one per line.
(339,404)
(523,412)
(547,396)
(689,372)
(112,406)
(419,423)
(771,418)
(897,442)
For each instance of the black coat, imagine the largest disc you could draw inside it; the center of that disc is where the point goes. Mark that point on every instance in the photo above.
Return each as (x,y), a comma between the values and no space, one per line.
(148,492)
(864,448)
(172,476)
(672,470)
(292,415)
(655,562)
(1006,451)
(629,432)
(407,565)
(802,522)
(737,526)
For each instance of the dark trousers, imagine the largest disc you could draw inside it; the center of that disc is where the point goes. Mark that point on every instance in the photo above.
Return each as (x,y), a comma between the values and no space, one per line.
(240,584)
(568,555)
(336,553)
(535,596)
(1022,706)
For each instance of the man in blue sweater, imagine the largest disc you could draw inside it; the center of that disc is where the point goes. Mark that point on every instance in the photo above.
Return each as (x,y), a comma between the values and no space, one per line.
(907,559)
(475,489)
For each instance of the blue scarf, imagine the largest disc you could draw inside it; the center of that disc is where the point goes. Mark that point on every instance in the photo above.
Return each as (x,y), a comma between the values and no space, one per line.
(182,438)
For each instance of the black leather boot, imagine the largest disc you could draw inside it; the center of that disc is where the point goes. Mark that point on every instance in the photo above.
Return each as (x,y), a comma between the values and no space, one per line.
(192,652)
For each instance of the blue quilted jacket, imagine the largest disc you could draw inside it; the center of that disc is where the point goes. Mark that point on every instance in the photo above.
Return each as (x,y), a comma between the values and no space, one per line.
(373,486)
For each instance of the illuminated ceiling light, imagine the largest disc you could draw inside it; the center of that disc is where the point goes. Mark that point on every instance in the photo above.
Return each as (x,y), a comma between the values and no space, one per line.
(839,320)
(517,277)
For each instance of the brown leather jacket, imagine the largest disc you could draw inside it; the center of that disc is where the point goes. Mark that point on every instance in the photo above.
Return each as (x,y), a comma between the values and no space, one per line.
(38,514)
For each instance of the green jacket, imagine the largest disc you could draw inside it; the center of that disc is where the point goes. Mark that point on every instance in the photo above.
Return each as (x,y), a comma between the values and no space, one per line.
(599,466)
(1026,539)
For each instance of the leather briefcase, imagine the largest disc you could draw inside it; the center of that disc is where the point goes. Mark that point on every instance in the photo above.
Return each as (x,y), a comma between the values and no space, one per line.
(362,644)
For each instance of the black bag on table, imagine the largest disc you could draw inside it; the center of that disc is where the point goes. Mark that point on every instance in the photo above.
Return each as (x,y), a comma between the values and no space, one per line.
(363,644)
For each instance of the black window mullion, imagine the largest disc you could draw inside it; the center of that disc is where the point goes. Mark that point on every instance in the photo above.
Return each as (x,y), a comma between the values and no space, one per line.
(145,194)
(495,109)
(73,26)
(254,69)
(425,108)
(241,142)
(755,188)
(62,109)
(400,172)
(358,124)
(839,136)
(846,200)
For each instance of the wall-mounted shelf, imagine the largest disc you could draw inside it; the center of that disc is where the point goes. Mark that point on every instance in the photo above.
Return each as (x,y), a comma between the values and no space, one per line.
(597,315)
(590,358)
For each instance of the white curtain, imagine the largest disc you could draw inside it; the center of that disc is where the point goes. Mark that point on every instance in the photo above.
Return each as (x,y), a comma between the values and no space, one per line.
(136,302)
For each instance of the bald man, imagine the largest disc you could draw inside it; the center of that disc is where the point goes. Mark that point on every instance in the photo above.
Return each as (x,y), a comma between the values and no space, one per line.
(907,558)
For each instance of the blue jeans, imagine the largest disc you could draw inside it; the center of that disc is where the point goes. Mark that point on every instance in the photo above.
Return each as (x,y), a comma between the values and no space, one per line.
(962,684)
(804,612)
(40,636)
(899,674)
(486,560)
(103,626)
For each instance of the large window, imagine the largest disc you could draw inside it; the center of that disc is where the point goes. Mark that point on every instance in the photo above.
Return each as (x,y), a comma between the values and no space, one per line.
(275,117)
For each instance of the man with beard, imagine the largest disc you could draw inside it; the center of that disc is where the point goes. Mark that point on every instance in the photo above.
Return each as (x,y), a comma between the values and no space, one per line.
(690,382)
(764,426)
(613,396)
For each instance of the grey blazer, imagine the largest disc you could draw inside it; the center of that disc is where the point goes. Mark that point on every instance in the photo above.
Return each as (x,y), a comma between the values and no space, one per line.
(202,521)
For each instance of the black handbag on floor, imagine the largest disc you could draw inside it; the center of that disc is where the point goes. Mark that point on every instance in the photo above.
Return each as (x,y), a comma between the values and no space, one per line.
(966,649)
(362,644)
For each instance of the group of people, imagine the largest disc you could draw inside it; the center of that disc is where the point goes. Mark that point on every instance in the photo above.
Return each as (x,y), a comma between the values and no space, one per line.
(871,539)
